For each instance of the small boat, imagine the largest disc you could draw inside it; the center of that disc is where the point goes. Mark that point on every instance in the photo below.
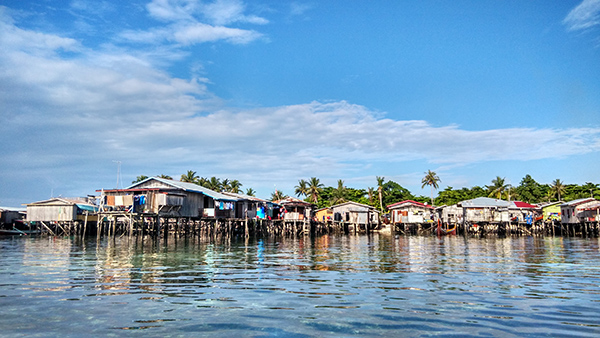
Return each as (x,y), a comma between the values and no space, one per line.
(442,232)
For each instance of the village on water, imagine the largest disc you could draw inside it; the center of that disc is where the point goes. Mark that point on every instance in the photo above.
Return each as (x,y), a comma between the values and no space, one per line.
(198,206)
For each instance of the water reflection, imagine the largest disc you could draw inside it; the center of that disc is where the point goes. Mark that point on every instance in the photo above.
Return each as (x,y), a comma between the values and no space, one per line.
(323,286)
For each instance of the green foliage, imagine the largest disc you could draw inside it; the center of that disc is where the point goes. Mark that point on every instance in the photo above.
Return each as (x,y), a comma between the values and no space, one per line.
(393,192)
(529,190)
(450,196)
(139,179)
(277,195)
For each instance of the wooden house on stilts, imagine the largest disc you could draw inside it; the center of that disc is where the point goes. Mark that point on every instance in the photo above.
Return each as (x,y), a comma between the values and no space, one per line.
(155,202)
(65,216)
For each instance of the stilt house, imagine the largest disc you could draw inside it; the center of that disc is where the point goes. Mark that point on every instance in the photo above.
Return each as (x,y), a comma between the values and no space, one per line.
(61,210)
(410,212)
(573,212)
(485,210)
(355,213)
(252,207)
(450,214)
(550,211)
(11,216)
(522,212)
(163,197)
(293,209)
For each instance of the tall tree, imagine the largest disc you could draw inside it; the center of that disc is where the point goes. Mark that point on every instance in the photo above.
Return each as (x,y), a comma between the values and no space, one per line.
(339,194)
(166,177)
(558,188)
(203,182)
(250,192)
(370,195)
(234,186)
(380,190)
(214,184)
(314,188)
(277,195)
(139,179)
(225,185)
(529,190)
(431,179)
(301,189)
(498,187)
(189,177)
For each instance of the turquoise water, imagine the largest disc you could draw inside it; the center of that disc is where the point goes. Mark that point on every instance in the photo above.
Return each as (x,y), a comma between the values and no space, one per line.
(330,286)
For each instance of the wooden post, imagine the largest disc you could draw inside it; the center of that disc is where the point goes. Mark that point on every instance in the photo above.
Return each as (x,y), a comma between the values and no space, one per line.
(85,223)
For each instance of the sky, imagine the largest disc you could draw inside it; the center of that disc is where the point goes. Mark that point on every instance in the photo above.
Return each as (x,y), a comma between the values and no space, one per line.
(95,93)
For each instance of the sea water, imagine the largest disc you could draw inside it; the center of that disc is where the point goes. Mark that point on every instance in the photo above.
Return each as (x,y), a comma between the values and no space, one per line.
(327,286)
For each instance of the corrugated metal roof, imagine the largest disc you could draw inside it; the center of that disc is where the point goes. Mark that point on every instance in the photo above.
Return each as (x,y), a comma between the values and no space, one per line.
(246,197)
(355,204)
(577,202)
(485,202)
(189,187)
(520,204)
(419,204)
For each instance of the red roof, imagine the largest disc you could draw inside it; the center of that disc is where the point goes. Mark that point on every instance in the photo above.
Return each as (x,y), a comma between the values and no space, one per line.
(411,202)
(520,204)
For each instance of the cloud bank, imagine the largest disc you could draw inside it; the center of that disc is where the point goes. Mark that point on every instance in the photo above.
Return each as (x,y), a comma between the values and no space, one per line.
(67,117)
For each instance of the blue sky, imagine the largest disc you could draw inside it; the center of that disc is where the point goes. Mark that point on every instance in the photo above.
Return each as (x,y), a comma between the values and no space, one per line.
(272,92)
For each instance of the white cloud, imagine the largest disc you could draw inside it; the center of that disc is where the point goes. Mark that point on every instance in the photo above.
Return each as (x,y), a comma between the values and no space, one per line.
(199,33)
(172,10)
(187,28)
(584,16)
(65,118)
(297,8)
(224,12)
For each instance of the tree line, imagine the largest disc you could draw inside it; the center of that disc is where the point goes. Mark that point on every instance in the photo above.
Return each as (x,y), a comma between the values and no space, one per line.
(388,192)
(212,183)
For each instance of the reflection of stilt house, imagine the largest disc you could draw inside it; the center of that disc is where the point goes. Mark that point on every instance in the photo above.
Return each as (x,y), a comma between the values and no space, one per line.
(356,213)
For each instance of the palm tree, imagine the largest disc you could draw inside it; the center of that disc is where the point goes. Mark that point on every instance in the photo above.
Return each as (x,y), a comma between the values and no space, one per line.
(301,189)
(234,186)
(214,184)
(338,195)
(225,185)
(202,181)
(370,194)
(558,188)
(277,196)
(250,192)
(431,179)
(167,177)
(380,191)
(314,189)
(498,187)
(139,179)
(190,177)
